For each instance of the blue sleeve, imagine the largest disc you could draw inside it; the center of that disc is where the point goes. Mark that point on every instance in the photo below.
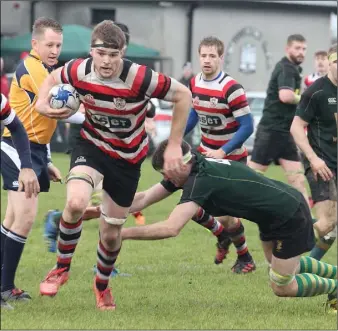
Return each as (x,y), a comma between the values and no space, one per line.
(192,121)
(21,142)
(244,131)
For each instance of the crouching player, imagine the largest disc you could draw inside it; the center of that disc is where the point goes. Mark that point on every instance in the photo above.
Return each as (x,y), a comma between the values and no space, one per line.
(224,187)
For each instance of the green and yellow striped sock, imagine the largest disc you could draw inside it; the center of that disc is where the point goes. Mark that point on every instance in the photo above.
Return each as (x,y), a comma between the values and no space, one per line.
(310,285)
(312,266)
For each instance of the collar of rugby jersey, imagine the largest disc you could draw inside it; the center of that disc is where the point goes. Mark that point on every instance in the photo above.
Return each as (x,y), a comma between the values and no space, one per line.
(297,66)
(36,56)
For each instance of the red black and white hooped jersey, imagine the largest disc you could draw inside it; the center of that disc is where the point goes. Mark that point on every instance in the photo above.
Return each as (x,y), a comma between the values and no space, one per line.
(7,113)
(309,79)
(218,102)
(116,108)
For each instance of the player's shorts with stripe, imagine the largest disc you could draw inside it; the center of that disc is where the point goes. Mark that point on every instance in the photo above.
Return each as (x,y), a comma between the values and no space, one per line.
(10,165)
(272,145)
(294,237)
(120,178)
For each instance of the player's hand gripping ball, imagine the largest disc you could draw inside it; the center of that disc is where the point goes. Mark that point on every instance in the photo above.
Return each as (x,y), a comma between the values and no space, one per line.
(64,96)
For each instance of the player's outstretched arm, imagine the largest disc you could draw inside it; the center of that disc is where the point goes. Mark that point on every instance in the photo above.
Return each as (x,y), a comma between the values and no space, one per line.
(141,200)
(179,217)
(42,105)
(147,198)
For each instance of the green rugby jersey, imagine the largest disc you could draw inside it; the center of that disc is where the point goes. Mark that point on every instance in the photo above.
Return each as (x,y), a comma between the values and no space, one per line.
(224,187)
(277,115)
(318,107)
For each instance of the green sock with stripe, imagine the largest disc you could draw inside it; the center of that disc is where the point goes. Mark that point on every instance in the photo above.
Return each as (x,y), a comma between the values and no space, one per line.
(310,265)
(310,285)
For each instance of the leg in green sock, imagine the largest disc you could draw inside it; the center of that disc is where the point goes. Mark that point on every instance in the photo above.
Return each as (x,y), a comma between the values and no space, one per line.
(310,285)
(309,279)
(310,265)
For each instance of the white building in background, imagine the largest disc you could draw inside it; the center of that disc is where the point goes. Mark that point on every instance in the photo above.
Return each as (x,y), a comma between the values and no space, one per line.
(254,32)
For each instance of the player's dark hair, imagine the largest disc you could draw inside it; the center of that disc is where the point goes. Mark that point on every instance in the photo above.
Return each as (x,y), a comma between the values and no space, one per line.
(333,49)
(212,41)
(321,53)
(125,30)
(110,34)
(158,160)
(295,37)
(42,23)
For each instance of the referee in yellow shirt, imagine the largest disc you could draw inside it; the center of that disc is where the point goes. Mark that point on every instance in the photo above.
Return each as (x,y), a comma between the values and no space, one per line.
(21,212)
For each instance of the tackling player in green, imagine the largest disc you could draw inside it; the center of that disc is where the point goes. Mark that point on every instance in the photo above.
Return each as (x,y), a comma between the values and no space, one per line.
(224,187)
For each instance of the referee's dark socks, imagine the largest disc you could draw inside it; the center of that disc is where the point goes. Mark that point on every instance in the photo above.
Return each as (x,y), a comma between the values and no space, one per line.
(13,248)
(4,232)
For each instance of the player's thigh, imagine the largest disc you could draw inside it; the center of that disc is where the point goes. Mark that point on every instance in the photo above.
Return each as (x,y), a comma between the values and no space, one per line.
(285,266)
(25,212)
(294,173)
(120,181)
(9,215)
(85,173)
(9,209)
(292,168)
(326,211)
(81,182)
(85,166)
(264,150)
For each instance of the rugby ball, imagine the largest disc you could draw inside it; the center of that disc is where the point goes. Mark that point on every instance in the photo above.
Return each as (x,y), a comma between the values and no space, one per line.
(64,96)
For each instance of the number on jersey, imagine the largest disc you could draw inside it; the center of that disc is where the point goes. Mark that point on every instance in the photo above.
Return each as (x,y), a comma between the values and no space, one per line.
(223,161)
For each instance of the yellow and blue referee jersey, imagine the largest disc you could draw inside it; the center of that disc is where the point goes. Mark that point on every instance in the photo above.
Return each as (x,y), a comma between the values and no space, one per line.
(28,78)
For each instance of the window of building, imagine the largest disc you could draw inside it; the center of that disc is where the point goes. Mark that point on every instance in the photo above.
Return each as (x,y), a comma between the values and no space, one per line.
(99,15)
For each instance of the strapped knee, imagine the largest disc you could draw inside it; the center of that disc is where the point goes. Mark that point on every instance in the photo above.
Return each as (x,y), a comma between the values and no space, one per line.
(280,280)
(80,176)
(112,220)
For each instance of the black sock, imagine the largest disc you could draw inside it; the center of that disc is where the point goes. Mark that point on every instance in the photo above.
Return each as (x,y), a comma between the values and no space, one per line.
(4,233)
(13,250)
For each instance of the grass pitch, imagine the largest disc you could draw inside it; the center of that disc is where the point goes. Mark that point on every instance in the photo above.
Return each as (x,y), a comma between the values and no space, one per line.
(169,284)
